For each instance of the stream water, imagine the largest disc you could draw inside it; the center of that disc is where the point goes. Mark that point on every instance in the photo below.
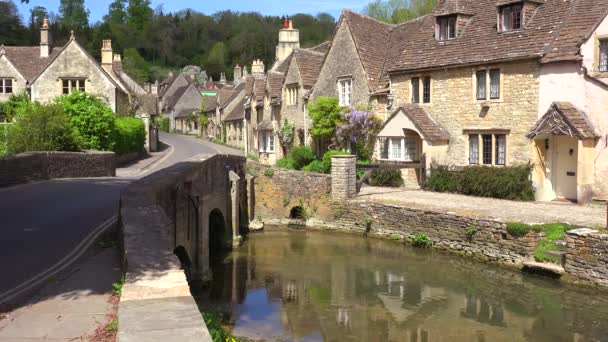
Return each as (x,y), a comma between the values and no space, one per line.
(288,285)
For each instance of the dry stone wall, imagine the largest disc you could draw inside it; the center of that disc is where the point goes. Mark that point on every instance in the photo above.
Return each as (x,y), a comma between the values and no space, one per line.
(587,256)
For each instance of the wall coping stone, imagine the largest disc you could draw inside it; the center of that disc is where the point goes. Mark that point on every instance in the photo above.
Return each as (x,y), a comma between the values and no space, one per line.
(582,232)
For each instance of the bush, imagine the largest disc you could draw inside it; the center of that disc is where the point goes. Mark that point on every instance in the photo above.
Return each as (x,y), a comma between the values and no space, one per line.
(327,159)
(286,163)
(42,128)
(165,124)
(386,177)
(512,183)
(92,118)
(301,156)
(316,166)
(213,321)
(269,173)
(130,135)
(422,240)
(15,105)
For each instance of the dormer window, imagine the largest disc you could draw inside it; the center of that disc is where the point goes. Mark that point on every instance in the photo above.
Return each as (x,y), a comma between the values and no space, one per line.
(446,28)
(511,17)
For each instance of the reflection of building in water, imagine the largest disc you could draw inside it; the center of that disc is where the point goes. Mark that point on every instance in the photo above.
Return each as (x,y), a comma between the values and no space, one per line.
(481,310)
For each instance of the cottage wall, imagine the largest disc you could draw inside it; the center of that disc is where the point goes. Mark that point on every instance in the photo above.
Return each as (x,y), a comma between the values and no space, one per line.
(9,71)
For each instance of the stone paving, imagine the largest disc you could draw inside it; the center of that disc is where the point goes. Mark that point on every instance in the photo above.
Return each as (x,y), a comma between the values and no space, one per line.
(591,216)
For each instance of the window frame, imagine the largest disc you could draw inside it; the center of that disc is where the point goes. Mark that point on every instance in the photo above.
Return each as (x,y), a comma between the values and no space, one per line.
(345,91)
(491,74)
(509,9)
(266,142)
(446,28)
(415,96)
(3,86)
(491,148)
(73,83)
(602,61)
(403,144)
(292,94)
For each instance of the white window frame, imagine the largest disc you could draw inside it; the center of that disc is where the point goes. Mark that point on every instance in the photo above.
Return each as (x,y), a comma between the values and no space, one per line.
(488,84)
(292,94)
(406,148)
(3,86)
(266,142)
(602,65)
(446,28)
(345,91)
(73,84)
(497,148)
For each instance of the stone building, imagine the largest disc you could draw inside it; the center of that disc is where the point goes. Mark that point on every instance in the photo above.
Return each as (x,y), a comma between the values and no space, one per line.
(183,106)
(45,72)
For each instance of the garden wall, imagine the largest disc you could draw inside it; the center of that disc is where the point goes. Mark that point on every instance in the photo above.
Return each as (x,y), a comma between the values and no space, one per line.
(36,166)
(587,256)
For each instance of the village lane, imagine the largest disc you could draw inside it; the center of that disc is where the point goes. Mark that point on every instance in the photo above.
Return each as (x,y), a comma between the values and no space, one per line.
(44,222)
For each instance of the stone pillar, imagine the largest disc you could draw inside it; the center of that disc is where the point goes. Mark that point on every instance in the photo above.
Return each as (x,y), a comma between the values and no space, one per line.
(235,181)
(343,177)
(250,197)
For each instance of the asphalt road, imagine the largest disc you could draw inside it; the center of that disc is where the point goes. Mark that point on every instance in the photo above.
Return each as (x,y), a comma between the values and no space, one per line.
(42,222)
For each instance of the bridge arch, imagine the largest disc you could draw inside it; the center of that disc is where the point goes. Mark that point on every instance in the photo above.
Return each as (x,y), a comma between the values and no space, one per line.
(220,236)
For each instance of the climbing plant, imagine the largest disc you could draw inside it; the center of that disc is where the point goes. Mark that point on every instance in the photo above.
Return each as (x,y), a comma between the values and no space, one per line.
(286,135)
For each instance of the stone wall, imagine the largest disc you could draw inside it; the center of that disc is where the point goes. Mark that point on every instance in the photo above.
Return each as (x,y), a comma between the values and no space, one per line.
(36,166)
(587,256)
(491,240)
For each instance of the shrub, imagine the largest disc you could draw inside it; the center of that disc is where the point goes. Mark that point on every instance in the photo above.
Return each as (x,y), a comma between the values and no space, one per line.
(327,159)
(213,321)
(422,240)
(471,231)
(15,105)
(512,183)
(92,118)
(286,163)
(518,229)
(42,128)
(165,124)
(269,172)
(386,177)
(301,156)
(130,135)
(315,166)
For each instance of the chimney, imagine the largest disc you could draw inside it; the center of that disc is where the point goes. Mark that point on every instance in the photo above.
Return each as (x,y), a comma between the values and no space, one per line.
(222,78)
(289,40)
(45,39)
(257,68)
(154,88)
(238,73)
(245,72)
(107,56)
(117,64)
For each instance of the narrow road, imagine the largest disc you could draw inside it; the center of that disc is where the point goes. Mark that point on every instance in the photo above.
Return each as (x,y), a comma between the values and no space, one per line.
(43,222)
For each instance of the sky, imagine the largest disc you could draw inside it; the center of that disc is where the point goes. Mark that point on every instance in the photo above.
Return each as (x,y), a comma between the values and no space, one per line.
(99,8)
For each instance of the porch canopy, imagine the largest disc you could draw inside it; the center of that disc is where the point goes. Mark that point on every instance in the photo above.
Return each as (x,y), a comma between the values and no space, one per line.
(415,118)
(563,118)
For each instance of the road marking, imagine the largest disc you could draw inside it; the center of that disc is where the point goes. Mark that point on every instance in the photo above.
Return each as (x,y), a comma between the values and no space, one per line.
(68,260)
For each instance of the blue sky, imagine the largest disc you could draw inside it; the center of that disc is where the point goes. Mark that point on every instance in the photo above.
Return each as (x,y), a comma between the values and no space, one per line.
(268,7)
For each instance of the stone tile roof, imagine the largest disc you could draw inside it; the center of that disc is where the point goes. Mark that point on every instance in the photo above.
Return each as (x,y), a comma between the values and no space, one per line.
(429,129)
(210,103)
(371,38)
(228,95)
(275,84)
(555,30)
(265,125)
(237,113)
(309,65)
(173,99)
(284,65)
(563,118)
(323,47)
(259,89)
(28,61)
(184,113)
(148,103)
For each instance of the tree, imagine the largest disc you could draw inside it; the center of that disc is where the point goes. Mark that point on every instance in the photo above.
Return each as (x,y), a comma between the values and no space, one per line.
(139,13)
(37,15)
(117,13)
(73,14)
(12,32)
(326,115)
(398,11)
(195,72)
(135,65)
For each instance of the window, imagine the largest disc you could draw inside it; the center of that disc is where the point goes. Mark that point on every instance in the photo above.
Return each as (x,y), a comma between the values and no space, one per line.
(6,85)
(426,89)
(416,90)
(603,62)
(511,17)
(446,28)
(292,95)
(482,77)
(345,92)
(70,85)
(266,142)
(398,148)
(493,149)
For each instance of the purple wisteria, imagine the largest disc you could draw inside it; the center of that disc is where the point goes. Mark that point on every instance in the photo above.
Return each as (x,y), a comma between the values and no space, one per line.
(359,130)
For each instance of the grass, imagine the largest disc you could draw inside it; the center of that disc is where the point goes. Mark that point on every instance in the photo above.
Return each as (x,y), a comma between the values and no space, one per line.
(113,326)
(217,331)
(553,232)
(117,287)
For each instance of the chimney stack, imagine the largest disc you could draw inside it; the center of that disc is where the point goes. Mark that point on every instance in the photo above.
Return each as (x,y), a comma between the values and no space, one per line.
(117,64)
(107,55)
(222,78)
(257,68)
(289,40)
(45,39)
(245,72)
(238,73)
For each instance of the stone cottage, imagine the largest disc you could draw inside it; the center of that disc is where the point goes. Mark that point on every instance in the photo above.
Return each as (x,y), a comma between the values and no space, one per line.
(183,106)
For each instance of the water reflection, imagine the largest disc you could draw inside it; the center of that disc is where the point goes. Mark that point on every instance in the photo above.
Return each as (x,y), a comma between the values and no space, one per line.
(313,286)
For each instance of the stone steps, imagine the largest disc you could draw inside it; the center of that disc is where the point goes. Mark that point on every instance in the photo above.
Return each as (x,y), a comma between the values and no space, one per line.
(543,268)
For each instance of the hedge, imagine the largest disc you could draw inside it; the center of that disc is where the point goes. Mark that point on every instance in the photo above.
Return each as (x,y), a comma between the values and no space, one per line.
(130,135)
(512,183)
(165,124)
(386,177)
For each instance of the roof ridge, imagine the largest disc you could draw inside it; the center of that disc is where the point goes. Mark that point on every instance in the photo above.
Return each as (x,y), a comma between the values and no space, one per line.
(309,51)
(368,17)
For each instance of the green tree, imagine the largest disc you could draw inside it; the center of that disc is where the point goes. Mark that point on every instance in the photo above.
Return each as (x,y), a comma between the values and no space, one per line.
(74,15)
(117,12)
(135,65)
(37,14)
(12,29)
(398,11)
(326,115)
(139,13)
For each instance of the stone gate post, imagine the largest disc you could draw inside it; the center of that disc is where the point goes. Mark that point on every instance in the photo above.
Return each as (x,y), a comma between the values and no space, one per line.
(343,177)
(235,195)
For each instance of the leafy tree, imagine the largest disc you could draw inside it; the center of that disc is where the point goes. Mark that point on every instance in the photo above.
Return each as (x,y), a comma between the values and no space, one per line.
(199,75)
(326,115)
(74,16)
(37,14)
(135,65)
(12,30)
(117,12)
(139,13)
(398,11)
(15,105)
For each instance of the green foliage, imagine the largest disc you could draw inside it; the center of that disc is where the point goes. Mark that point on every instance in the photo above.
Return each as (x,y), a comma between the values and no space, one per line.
(218,333)
(315,166)
(286,135)
(74,15)
(398,11)
(135,65)
(327,159)
(422,240)
(269,172)
(42,128)
(92,118)
(12,107)
(518,229)
(386,177)
(112,326)
(130,135)
(471,231)
(286,163)
(165,124)
(117,287)
(326,115)
(511,183)
(253,157)
(301,156)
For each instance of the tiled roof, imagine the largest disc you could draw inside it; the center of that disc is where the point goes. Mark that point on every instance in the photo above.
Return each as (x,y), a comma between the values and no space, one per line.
(265,125)
(173,99)
(249,84)
(148,103)
(275,84)
(371,39)
(210,103)
(323,47)
(563,118)
(284,65)
(237,113)
(184,113)
(429,129)
(259,88)
(28,61)
(309,65)
(556,28)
